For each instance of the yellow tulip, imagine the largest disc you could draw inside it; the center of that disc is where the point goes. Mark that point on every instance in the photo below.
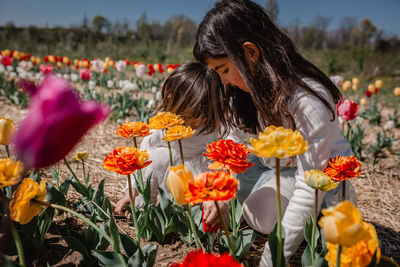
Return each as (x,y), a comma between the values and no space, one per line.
(66,60)
(22,208)
(17,55)
(363,101)
(346,85)
(76,62)
(319,180)
(278,142)
(378,84)
(358,255)
(52,59)
(169,70)
(354,87)
(6,52)
(80,156)
(59,64)
(343,224)
(10,172)
(38,61)
(164,120)
(178,132)
(371,88)
(355,81)
(178,182)
(7,130)
(396,91)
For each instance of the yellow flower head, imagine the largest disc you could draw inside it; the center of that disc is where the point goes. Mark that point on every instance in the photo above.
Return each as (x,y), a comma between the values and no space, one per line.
(10,172)
(358,255)
(164,120)
(178,132)
(319,180)
(22,208)
(343,224)
(371,88)
(178,182)
(81,155)
(378,84)
(346,85)
(355,81)
(363,101)
(278,142)
(396,91)
(7,130)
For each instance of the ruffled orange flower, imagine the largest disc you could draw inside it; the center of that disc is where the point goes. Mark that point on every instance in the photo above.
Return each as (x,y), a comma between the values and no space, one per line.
(22,208)
(228,155)
(358,255)
(134,129)
(211,186)
(10,172)
(126,160)
(178,132)
(165,120)
(341,168)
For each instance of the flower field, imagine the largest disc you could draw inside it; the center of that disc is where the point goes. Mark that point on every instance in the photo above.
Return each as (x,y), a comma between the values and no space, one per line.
(76,127)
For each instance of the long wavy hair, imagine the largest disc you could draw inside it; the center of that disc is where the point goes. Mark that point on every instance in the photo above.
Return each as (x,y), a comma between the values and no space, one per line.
(272,82)
(189,92)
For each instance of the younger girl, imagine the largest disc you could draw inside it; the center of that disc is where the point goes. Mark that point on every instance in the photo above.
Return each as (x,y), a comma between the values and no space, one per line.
(268,82)
(188,92)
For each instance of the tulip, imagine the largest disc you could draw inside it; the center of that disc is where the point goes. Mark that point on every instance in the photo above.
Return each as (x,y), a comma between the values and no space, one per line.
(378,84)
(368,93)
(363,101)
(52,59)
(7,130)
(178,182)
(46,69)
(347,109)
(6,60)
(355,81)
(140,70)
(354,87)
(396,91)
(337,80)
(85,74)
(346,85)
(343,224)
(56,121)
(319,180)
(371,88)
(120,65)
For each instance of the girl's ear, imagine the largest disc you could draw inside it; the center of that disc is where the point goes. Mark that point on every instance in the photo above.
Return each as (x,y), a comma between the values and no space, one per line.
(251,52)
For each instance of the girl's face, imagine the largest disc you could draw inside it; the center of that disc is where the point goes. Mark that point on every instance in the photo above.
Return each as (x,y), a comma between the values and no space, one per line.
(227,72)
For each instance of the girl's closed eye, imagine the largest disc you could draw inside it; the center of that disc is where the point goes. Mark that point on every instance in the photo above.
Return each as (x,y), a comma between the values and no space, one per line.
(225,71)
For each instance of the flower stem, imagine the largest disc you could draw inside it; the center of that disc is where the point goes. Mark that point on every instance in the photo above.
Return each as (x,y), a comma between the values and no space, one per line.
(14,231)
(313,245)
(196,238)
(228,235)
(279,212)
(344,190)
(234,229)
(339,251)
(132,200)
(140,170)
(70,169)
(8,151)
(90,223)
(181,151)
(84,173)
(170,154)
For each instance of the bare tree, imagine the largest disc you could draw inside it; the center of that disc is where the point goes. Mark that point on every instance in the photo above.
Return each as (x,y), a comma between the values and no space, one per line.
(272,9)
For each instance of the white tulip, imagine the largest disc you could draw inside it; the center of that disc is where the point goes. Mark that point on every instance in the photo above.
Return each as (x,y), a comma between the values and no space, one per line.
(151,104)
(389,125)
(97,65)
(120,65)
(337,80)
(140,71)
(110,83)
(74,77)
(92,84)
(154,89)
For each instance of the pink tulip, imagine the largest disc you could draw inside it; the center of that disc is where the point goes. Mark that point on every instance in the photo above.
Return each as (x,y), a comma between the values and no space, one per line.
(347,110)
(85,74)
(46,69)
(56,121)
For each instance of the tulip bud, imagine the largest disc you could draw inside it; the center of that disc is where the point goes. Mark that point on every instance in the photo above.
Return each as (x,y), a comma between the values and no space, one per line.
(354,87)
(378,84)
(178,182)
(396,91)
(7,130)
(371,88)
(52,59)
(363,101)
(346,85)
(319,180)
(81,155)
(355,81)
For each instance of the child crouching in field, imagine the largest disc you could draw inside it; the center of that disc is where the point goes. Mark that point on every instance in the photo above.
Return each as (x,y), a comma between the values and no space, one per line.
(188,92)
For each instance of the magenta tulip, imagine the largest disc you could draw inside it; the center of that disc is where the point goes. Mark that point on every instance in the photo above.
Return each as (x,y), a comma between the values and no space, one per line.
(85,74)
(56,121)
(347,110)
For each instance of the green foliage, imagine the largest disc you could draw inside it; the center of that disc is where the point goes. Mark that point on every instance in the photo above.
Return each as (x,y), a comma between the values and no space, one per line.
(372,114)
(354,136)
(383,142)
(273,245)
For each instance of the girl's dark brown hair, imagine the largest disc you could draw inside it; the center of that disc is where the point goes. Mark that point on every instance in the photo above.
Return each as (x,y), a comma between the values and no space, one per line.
(279,70)
(189,92)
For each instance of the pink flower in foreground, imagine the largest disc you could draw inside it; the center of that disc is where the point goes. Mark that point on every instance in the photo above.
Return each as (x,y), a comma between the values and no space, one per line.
(85,74)
(46,69)
(347,110)
(56,121)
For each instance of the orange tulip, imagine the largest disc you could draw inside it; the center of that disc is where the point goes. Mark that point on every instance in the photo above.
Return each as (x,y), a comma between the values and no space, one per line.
(165,120)
(133,129)
(228,155)
(10,172)
(211,186)
(178,132)
(126,160)
(22,208)
(341,168)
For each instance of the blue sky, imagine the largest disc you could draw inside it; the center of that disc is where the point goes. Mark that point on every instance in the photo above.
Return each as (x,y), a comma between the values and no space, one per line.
(383,13)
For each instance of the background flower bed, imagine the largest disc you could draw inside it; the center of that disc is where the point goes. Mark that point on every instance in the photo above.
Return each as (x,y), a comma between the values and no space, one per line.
(377,196)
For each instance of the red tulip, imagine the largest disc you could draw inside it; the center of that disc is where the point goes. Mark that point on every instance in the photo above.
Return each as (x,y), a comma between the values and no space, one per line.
(151,69)
(6,60)
(56,121)
(46,69)
(200,259)
(376,90)
(207,228)
(347,109)
(85,74)
(368,93)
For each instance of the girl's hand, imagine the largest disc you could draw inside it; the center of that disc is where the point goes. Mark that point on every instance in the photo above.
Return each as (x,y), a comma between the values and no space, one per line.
(211,213)
(119,208)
